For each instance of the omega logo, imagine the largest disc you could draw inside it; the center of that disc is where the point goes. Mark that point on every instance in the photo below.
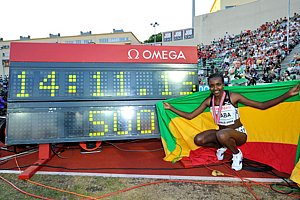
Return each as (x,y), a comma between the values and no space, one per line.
(149,55)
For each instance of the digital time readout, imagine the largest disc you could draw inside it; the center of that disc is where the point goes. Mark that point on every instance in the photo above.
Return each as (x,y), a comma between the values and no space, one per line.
(100,83)
(77,122)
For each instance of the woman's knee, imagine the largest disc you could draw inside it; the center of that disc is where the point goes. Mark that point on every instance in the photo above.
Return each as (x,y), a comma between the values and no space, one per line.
(208,136)
(222,136)
(199,140)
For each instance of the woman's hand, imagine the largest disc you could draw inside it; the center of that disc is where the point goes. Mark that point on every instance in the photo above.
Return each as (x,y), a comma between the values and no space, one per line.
(167,106)
(295,90)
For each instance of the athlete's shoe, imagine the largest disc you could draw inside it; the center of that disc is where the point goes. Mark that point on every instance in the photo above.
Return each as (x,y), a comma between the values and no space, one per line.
(237,161)
(220,153)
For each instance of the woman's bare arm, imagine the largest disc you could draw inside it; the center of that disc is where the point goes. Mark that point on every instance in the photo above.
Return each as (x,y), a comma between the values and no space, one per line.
(267,104)
(188,115)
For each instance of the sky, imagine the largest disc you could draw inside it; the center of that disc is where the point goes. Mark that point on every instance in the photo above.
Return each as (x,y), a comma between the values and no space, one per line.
(39,18)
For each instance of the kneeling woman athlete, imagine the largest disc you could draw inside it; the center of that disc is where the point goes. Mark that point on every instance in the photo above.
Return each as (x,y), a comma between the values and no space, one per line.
(231,132)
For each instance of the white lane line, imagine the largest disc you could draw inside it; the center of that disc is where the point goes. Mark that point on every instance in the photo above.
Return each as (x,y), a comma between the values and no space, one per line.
(168,177)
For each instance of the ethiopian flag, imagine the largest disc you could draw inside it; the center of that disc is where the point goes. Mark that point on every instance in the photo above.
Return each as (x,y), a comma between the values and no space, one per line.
(272,134)
(295,176)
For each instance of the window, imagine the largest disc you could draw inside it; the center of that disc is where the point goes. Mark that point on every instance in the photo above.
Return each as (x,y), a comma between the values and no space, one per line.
(87,41)
(5,63)
(5,54)
(226,7)
(5,47)
(103,40)
(69,42)
(113,40)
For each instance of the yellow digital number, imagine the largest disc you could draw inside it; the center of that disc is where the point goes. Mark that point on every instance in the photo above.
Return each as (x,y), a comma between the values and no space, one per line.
(94,122)
(23,85)
(49,83)
(165,79)
(139,121)
(98,92)
(189,83)
(72,79)
(117,128)
(143,92)
(121,82)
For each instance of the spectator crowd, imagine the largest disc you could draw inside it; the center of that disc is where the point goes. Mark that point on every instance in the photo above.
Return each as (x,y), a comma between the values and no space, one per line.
(254,56)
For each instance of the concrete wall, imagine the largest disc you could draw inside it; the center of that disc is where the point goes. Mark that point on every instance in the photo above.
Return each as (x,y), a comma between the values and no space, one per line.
(225,3)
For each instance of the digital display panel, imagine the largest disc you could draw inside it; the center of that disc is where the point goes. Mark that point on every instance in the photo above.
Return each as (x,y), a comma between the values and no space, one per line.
(60,81)
(75,93)
(69,122)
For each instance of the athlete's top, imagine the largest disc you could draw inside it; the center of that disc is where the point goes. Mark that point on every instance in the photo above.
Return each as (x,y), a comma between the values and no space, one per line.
(229,113)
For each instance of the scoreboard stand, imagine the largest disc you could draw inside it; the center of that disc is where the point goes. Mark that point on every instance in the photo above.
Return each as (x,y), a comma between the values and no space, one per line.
(63,93)
(44,156)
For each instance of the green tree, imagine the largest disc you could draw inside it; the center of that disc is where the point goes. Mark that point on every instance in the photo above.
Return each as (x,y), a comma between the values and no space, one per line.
(154,37)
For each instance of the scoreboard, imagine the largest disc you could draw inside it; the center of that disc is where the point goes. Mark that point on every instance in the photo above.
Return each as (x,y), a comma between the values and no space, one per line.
(74,93)
(99,81)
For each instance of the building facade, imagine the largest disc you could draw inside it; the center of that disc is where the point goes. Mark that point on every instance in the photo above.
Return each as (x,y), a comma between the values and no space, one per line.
(117,37)
(225,4)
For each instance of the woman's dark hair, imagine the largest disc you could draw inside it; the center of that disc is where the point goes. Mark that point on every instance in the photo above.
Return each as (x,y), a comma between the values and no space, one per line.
(216,75)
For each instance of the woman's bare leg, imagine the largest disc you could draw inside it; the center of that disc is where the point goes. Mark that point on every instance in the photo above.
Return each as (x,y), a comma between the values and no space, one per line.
(207,138)
(231,138)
